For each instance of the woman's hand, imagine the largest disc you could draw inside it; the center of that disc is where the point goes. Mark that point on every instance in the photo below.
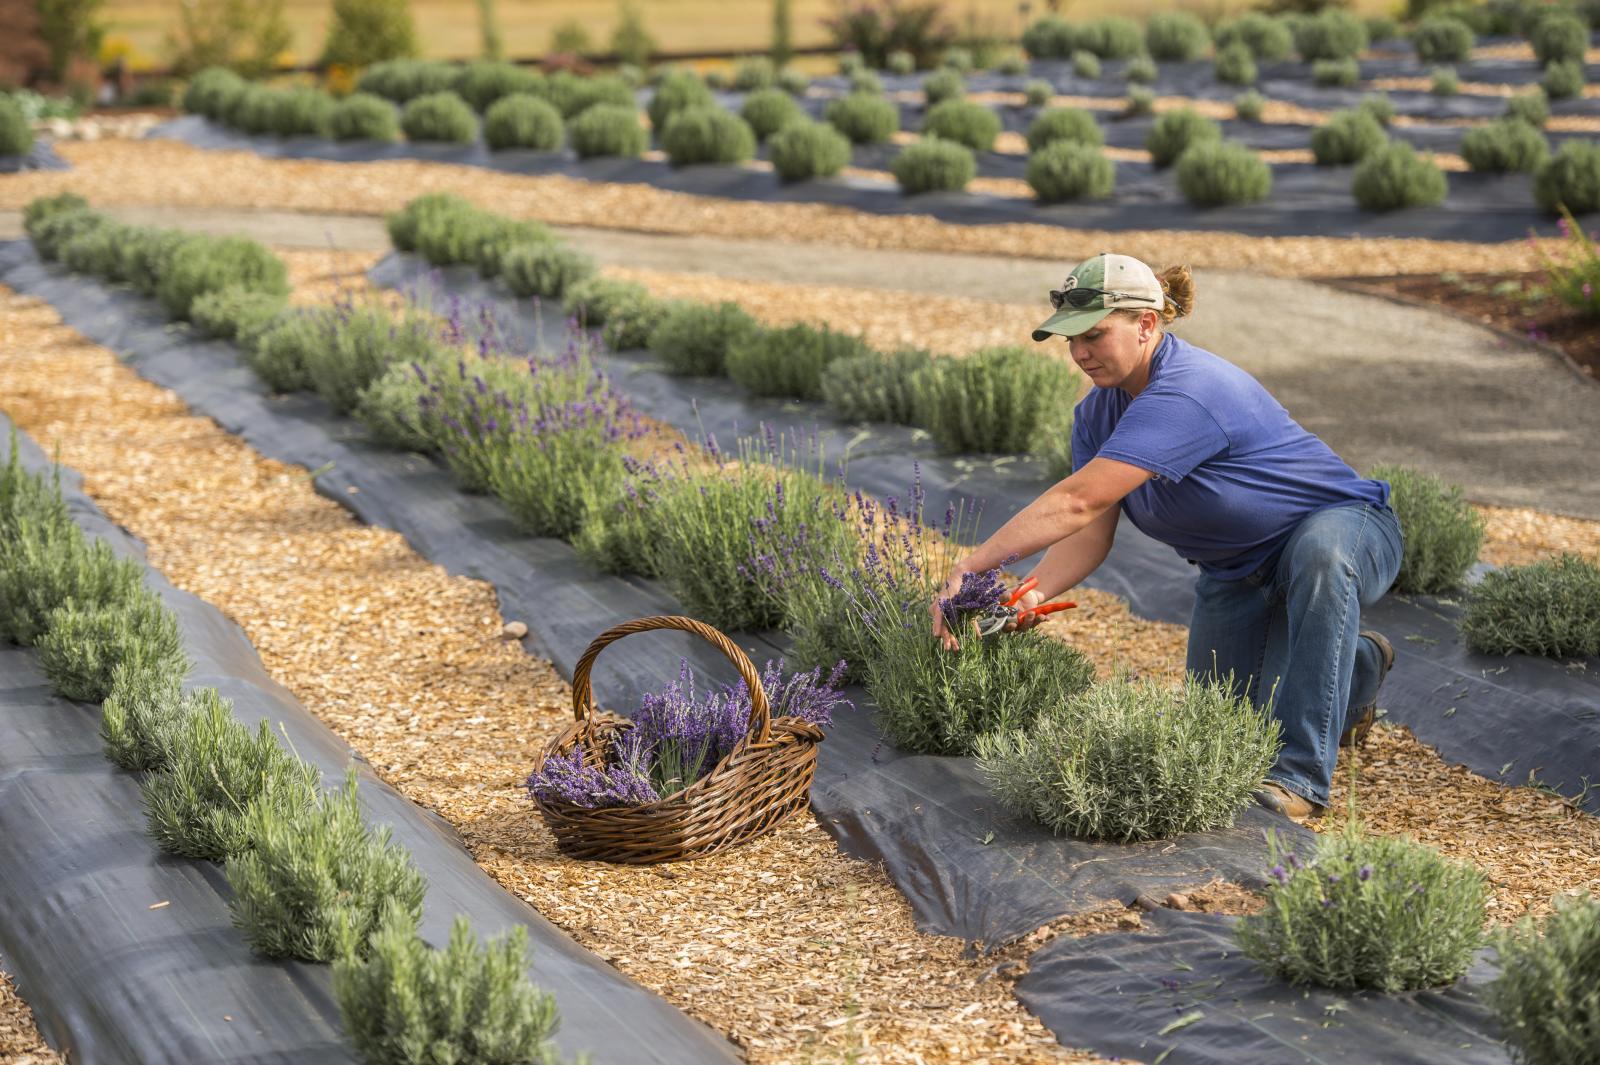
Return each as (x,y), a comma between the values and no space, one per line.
(1025,618)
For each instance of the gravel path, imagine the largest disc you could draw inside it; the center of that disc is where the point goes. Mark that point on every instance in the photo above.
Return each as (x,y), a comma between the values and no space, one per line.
(1379,381)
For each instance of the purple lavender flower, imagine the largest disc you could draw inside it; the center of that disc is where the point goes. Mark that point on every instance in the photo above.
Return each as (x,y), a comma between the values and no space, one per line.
(1364,873)
(1279,873)
(623,781)
(979,592)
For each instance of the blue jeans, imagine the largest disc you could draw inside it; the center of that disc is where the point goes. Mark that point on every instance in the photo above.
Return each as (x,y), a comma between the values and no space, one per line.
(1287,634)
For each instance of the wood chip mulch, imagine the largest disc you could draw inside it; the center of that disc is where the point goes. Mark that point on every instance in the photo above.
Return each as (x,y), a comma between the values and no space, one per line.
(156,172)
(20,1041)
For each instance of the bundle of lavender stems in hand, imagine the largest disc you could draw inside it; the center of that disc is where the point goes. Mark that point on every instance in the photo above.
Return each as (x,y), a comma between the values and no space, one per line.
(678,736)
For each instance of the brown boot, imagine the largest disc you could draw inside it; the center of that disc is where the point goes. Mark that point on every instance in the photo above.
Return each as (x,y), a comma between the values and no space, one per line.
(1279,799)
(1363,717)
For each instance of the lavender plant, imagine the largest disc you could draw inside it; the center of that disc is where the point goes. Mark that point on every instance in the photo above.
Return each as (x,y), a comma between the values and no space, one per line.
(361,343)
(875,388)
(1443,532)
(1367,912)
(561,459)
(725,538)
(890,565)
(998,400)
(142,717)
(1546,997)
(47,561)
(199,805)
(1549,607)
(470,411)
(404,225)
(618,534)
(82,647)
(693,339)
(313,876)
(280,352)
(1132,761)
(933,701)
(235,313)
(544,269)
(403,1003)
(789,361)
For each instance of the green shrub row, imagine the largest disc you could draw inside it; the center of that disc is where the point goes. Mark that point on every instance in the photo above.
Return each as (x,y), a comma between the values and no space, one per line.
(311,879)
(176,268)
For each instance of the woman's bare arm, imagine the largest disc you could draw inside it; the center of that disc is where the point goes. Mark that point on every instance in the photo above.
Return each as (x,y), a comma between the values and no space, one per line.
(1067,562)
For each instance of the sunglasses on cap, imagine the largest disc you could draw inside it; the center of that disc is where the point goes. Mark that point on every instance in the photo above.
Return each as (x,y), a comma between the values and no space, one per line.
(1079,296)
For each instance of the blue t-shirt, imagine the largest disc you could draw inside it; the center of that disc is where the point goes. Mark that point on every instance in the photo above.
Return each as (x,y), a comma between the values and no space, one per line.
(1234,473)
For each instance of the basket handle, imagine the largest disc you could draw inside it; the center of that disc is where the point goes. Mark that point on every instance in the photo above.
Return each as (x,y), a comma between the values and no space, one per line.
(583,707)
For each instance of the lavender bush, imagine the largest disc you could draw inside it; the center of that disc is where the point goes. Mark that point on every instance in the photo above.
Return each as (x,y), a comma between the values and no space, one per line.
(1367,912)
(725,538)
(933,701)
(1134,761)
(679,735)
(562,459)
(197,806)
(84,645)
(362,342)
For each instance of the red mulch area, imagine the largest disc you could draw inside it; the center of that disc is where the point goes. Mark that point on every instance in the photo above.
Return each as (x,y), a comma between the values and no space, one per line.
(1512,302)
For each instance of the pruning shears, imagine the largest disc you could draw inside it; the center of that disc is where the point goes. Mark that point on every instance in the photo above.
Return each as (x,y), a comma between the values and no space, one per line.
(997,618)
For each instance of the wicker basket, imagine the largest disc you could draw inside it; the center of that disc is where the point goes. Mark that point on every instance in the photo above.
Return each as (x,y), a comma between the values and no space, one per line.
(764,780)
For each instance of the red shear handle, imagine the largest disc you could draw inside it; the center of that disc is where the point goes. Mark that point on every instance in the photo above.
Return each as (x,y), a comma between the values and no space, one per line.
(1038,613)
(1021,590)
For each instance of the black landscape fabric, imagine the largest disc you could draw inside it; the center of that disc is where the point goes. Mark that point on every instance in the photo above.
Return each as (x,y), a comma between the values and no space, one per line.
(1306,200)
(968,869)
(1186,996)
(128,956)
(1504,717)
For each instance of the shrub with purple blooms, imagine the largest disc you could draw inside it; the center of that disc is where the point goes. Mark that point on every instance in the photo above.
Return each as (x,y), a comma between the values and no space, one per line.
(724,540)
(870,605)
(679,735)
(1367,912)
(894,554)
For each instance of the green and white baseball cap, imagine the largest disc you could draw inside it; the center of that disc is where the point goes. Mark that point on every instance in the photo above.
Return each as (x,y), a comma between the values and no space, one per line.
(1104,283)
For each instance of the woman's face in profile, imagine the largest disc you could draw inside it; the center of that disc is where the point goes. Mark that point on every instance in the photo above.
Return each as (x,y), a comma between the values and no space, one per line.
(1109,352)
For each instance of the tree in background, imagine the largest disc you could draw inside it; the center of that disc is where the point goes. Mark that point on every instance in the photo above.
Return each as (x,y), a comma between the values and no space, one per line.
(782,33)
(570,38)
(363,32)
(489,23)
(70,28)
(24,56)
(244,35)
(876,28)
(631,42)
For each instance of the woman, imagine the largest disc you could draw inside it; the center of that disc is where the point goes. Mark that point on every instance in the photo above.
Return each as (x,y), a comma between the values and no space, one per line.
(1291,543)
